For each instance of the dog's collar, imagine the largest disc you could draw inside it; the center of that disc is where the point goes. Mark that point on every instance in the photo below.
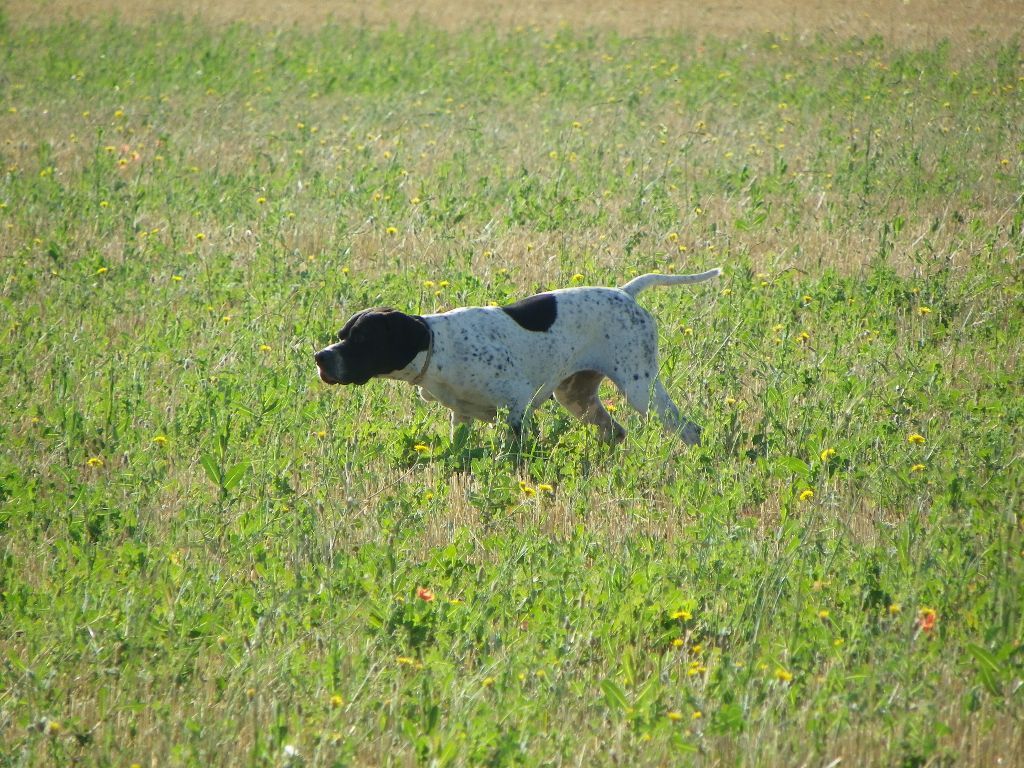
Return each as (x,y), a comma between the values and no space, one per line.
(430,353)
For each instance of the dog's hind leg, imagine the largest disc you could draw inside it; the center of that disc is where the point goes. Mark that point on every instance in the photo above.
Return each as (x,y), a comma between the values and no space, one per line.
(643,398)
(578,394)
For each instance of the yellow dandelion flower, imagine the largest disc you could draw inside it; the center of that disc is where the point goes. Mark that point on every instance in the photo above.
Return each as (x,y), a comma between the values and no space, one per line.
(526,488)
(321,434)
(823,613)
(428,283)
(727,291)
(415,201)
(697,715)
(392,230)
(895,609)
(265,348)
(337,700)
(678,642)
(421,448)
(53,727)
(200,236)
(177,278)
(95,461)
(730,401)
(443,284)
(804,336)
(828,453)
(683,615)
(808,299)
(806,495)
(922,310)
(688,331)
(160,439)
(915,439)
(546,487)
(487,682)
(261,200)
(696,648)
(783,674)
(577,278)
(406,661)
(101,271)
(675,715)
(673,236)
(104,204)
(917,468)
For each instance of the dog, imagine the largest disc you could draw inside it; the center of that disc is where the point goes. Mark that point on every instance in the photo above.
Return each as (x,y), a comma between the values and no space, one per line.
(479,360)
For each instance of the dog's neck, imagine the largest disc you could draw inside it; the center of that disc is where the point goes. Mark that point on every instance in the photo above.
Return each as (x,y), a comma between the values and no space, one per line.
(418,378)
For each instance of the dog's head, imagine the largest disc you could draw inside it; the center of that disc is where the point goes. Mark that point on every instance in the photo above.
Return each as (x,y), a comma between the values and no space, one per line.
(374,342)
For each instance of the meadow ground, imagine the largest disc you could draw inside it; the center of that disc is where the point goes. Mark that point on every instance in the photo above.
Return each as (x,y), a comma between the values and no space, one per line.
(209,558)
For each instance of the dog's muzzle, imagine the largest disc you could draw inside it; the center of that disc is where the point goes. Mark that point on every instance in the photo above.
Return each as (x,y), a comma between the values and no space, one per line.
(326,366)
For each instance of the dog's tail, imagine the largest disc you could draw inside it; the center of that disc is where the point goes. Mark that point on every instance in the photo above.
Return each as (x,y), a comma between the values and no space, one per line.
(637,284)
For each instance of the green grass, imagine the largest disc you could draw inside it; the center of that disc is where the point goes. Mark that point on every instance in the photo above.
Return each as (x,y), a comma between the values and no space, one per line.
(209,558)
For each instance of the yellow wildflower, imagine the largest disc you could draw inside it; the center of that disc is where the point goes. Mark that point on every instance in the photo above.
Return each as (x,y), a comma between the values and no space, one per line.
(828,453)
(783,674)
(806,495)
(95,461)
(915,439)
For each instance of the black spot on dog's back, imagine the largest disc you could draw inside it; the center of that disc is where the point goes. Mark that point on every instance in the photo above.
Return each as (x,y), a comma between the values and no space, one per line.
(536,313)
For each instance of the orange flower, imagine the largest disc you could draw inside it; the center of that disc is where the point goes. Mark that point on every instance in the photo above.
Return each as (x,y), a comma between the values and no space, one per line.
(926,619)
(426,594)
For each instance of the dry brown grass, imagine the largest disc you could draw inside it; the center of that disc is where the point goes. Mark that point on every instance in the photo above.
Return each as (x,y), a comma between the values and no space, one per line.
(906,22)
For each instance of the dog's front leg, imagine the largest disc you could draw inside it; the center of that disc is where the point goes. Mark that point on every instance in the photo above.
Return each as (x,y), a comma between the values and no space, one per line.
(460,419)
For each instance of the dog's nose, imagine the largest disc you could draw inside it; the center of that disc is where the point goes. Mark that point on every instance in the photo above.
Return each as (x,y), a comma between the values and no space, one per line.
(320,356)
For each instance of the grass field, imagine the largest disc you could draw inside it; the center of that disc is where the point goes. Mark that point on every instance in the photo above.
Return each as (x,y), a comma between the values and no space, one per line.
(207,557)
